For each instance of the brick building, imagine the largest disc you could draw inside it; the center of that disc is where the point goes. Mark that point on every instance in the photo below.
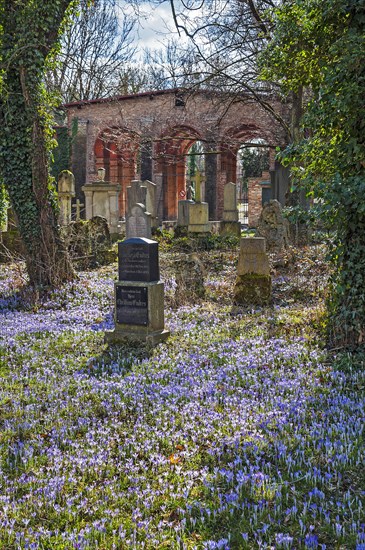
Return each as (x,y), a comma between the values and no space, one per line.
(148,136)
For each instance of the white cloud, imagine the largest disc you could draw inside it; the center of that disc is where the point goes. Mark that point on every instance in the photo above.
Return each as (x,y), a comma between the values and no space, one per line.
(156,25)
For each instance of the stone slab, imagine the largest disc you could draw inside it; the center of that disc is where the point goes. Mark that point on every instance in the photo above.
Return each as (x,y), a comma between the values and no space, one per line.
(230,212)
(251,289)
(150,297)
(139,313)
(230,215)
(252,257)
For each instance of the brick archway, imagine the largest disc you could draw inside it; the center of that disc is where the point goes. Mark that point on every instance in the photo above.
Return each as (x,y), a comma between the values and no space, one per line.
(156,130)
(116,150)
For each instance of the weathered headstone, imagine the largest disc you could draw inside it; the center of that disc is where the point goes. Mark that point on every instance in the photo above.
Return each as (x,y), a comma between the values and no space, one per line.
(138,260)
(136,194)
(183,212)
(253,284)
(273,226)
(151,204)
(66,190)
(139,294)
(230,223)
(230,211)
(194,216)
(138,222)
(88,242)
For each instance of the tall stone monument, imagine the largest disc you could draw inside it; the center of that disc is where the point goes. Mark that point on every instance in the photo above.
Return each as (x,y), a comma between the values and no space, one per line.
(253,283)
(66,191)
(230,223)
(139,294)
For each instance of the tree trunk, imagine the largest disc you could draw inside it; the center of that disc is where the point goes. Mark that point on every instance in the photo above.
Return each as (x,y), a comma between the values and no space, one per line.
(29,32)
(50,265)
(299,231)
(25,173)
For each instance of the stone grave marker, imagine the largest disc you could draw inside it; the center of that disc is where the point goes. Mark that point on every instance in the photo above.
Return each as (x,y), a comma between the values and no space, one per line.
(139,294)
(183,212)
(151,204)
(273,226)
(78,206)
(138,222)
(66,190)
(230,223)
(253,283)
(199,218)
(189,277)
(138,260)
(101,199)
(136,194)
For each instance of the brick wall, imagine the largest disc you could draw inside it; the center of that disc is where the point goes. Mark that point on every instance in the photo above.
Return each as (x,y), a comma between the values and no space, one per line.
(155,117)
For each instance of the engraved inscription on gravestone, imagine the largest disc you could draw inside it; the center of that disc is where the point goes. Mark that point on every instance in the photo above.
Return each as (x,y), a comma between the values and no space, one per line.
(132,305)
(138,260)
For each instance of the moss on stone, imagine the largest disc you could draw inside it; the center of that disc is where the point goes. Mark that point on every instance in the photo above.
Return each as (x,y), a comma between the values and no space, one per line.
(252,289)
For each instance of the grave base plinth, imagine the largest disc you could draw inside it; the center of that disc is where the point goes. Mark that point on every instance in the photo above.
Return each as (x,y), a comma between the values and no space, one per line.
(252,289)
(198,218)
(139,313)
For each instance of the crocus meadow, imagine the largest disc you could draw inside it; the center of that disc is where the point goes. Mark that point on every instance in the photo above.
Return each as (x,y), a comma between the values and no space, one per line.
(234,434)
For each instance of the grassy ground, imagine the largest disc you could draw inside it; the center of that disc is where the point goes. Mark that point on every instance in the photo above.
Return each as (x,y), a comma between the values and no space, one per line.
(240,432)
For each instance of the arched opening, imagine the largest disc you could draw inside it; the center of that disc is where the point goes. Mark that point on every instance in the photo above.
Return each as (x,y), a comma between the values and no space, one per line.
(117,151)
(172,153)
(246,159)
(253,177)
(195,172)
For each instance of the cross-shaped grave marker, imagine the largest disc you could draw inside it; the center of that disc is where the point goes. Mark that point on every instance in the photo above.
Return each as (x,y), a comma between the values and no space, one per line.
(78,207)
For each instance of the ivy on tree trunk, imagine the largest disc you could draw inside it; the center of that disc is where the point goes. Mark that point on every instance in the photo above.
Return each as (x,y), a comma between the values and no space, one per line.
(29,32)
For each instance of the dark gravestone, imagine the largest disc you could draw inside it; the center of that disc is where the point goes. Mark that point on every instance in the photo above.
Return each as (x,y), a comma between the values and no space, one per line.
(139,294)
(132,305)
(138,260)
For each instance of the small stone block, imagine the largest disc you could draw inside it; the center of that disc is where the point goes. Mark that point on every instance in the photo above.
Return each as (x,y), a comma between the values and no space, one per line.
(252,245)
(253,258)
(139,313)
(138,260)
